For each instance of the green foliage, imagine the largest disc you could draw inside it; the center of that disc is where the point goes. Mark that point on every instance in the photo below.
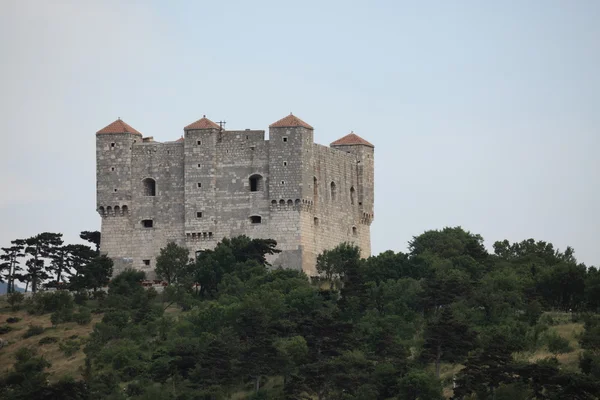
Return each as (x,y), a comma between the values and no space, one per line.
(93,275)
(47,302)
(83,317)
(15,299)
(5,329)
(171,263)
(12,320)
(420,385)
(33,330)
(69,347)
(47,340)
(375,330)
(557,344)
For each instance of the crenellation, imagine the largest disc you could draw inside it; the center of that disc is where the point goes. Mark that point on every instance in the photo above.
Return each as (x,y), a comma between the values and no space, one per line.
(214,183)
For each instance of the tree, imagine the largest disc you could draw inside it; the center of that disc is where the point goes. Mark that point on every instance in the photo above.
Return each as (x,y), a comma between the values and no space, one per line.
(40,247)
(449,243)
(10,262)
(92,237)
(93,275)
(447,339)
(172,261)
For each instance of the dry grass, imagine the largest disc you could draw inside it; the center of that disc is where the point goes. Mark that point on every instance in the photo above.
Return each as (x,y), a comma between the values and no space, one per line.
(61,364)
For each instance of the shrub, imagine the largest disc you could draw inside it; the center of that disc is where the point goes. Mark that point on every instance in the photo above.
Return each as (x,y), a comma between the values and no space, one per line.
(12,320)
(47,302)
(33,331)
(69,347)
(80,298)
(61,316)
(47,340)
(15,299)
(83,317)
(557,344)
(5,329)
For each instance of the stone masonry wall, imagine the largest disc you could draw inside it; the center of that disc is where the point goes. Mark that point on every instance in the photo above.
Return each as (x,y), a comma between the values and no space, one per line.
(203,194)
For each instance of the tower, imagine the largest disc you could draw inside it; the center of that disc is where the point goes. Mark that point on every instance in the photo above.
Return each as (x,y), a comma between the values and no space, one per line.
(114,144)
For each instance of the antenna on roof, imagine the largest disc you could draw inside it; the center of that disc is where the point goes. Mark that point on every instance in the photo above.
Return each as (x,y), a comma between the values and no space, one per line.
(221,125)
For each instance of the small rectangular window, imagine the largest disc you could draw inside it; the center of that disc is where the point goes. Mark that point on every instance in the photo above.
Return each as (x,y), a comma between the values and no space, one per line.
(199,142)
(198,165)
(285,163)
(199,214)
(112,145)
(147,223)
(199,184)
(284,138)
(283,182)
(146,262)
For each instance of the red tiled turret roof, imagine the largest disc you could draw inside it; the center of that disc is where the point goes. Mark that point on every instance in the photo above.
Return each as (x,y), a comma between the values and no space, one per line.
(290,121)
(119,126)
(202,123)
(351,139)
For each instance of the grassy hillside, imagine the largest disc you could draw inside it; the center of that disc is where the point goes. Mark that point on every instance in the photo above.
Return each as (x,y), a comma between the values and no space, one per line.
(68,334)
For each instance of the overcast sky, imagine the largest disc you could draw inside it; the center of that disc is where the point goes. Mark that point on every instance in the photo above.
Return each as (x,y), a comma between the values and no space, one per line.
(484,114)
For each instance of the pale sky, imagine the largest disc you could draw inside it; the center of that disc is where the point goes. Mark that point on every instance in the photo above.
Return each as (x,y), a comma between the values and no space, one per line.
(484,114)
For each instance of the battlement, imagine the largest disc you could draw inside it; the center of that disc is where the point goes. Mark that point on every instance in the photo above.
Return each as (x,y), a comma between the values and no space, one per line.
(213,183)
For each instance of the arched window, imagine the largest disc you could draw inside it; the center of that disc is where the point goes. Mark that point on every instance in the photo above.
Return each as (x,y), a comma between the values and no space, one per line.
(333,191)
(354,231)
(108,210)
(352,195)
(256,219)
(256,183)
(282,202)
(273,202)
(316,221)
(117,210)
(149,187)
(297,202)
(125,210)
(101,210)
(290,203)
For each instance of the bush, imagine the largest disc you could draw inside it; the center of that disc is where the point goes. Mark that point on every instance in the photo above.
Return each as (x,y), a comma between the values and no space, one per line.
(47,340)
(47,302)
(12,320)
(61,316)
(83,317)
(80,298)
(557,344)
(5,329)
(15,299)
(33,331)
(69,347)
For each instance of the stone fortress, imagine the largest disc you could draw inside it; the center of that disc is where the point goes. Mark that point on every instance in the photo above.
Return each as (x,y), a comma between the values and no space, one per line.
(214,183)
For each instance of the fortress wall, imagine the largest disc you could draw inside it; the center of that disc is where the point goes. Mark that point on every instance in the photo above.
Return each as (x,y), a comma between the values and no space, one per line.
(162,162)
(210,171)
(336,215)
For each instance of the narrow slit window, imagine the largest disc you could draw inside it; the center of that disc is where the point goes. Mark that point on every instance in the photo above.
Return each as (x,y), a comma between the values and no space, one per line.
(199,184)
